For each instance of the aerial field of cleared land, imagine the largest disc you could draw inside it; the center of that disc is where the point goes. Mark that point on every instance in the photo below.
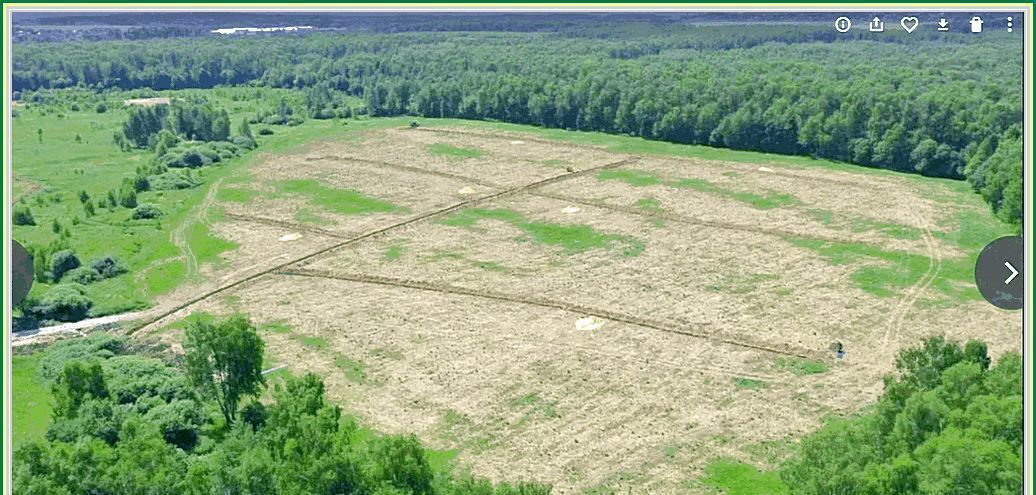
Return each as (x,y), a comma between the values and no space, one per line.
(596,312)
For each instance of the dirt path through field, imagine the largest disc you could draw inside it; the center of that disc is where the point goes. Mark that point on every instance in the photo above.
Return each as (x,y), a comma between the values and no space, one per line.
(179,234)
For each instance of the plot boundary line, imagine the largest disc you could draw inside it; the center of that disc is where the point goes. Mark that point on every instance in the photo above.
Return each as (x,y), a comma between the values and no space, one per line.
(547,303)
(432,214)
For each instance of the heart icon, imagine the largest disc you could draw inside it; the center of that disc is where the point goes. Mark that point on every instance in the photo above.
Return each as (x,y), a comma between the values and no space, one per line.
(909,23)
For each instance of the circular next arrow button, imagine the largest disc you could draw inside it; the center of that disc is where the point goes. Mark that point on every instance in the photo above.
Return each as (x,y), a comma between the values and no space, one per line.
(999,272)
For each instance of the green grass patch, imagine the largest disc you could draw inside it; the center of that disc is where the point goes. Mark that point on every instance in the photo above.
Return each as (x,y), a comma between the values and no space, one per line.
(341,201)
(319,343)
(738,478)
(205,246)
(394,252)
(750,384)
(537,404)
(279,327)
(800,366)
(236,195)
(886,273)
(443,149)
(650,205)
(571,238)
(30,400)
(640,178)
(354,371)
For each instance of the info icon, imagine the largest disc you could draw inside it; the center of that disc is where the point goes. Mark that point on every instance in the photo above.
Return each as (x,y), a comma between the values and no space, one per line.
(843,24)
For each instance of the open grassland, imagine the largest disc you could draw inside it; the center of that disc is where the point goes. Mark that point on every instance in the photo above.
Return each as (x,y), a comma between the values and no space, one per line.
(602,313)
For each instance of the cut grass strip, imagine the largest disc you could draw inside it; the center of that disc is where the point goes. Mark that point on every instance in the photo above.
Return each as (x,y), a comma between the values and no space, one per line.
(571,238)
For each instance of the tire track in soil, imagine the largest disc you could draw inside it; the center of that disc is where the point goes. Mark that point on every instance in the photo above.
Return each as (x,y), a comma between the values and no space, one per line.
(327,250)
(895,322)
(548,303)
(179,234)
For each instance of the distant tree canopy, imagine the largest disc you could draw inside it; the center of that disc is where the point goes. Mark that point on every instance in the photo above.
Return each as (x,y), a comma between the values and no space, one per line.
(942,107)
(947,424)
(124,423)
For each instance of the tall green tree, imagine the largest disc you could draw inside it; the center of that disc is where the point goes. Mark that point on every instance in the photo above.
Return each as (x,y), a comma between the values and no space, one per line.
(224,361)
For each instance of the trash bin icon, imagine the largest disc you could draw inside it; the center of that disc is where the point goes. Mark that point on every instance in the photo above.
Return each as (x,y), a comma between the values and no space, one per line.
(976,24)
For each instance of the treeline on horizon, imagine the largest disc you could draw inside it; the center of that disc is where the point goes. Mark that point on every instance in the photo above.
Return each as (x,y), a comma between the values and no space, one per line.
(943,108)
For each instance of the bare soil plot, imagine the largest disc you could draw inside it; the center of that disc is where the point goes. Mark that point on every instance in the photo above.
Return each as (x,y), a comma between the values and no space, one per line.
(503,161)
(618,328)
(524,393)
(404,194)
(795,202)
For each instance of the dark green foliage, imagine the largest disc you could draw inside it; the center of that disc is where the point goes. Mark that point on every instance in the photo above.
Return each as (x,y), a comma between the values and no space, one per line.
(127,196)
(83,275)
(64,302)
(265,131)
(947,424)
(198,121)
(93,347)
(83,196)
(224,361)
(77,382)
(101,107)
(108,266)
(22,215)
(194,155)
(146,211)
(61,262)
(687,84)
(996,173)
(144,124)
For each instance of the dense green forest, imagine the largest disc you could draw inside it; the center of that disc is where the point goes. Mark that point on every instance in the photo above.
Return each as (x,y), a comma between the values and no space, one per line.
(210,422)
(948,423)
(944,107)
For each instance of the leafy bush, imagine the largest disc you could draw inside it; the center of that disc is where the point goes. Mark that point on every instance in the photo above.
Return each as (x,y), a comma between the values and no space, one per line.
(146,211)
(22,215)
(92,347)
(108,266)
(61,262)
(101,107)
(174,179)
(265,131)
(82,275)
(65,302)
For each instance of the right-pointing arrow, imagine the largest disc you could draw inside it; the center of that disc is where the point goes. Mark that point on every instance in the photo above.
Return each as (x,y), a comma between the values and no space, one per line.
(1014,273)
